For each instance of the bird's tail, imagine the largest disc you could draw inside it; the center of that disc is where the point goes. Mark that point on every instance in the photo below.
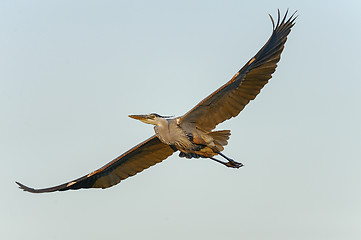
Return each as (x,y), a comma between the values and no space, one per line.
(220,138)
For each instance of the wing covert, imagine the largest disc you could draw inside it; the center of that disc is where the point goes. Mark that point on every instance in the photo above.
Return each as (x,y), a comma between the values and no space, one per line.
(230,99)
(140,157)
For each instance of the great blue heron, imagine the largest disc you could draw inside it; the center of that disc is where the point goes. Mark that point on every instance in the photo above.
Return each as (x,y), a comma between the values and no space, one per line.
(192,134)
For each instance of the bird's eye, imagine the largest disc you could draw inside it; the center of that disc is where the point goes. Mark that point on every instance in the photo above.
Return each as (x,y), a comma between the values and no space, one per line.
(153,115)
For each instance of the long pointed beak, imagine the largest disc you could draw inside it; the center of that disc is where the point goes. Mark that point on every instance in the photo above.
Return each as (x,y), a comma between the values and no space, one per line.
(138,117)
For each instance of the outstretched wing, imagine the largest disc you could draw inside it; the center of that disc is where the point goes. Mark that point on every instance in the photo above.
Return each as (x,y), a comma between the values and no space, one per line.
(232,97)
(140,157)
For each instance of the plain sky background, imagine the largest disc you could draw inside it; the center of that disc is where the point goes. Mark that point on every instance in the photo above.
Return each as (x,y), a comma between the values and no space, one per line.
(71,72)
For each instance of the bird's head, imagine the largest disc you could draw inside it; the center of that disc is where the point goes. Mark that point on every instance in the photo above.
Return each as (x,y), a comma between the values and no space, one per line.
(152,118)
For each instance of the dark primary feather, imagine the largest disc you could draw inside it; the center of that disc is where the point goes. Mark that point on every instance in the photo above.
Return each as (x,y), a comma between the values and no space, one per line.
(232,97)
(137,159)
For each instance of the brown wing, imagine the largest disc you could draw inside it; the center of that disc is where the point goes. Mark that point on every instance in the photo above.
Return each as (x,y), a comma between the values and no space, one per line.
(140,157)
(231,98)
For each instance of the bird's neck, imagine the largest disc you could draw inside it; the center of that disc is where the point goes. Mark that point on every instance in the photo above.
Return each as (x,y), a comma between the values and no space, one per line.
(161,122)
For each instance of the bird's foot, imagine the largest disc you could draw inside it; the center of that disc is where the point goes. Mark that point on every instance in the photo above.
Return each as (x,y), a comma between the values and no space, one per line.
(233,164)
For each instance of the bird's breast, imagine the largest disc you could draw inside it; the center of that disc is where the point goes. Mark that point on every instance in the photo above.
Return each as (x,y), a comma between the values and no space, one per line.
(170,133)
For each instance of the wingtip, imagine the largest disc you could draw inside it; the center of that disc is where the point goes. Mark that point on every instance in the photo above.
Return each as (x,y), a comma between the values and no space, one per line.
(25,188)
(273,22)
(288,22)
(21,186)
(293,17)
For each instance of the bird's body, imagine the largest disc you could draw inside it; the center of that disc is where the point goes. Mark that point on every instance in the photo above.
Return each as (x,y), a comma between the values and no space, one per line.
(186,138)
(169,132)
(193,133)
(190,141)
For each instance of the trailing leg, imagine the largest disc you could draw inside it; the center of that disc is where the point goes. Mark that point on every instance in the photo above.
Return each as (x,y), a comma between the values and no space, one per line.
(231,163)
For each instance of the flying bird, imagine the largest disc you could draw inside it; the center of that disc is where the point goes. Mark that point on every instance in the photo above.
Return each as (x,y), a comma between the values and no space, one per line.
(193,133)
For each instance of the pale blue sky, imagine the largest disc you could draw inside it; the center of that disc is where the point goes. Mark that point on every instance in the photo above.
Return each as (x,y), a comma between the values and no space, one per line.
(73,70)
